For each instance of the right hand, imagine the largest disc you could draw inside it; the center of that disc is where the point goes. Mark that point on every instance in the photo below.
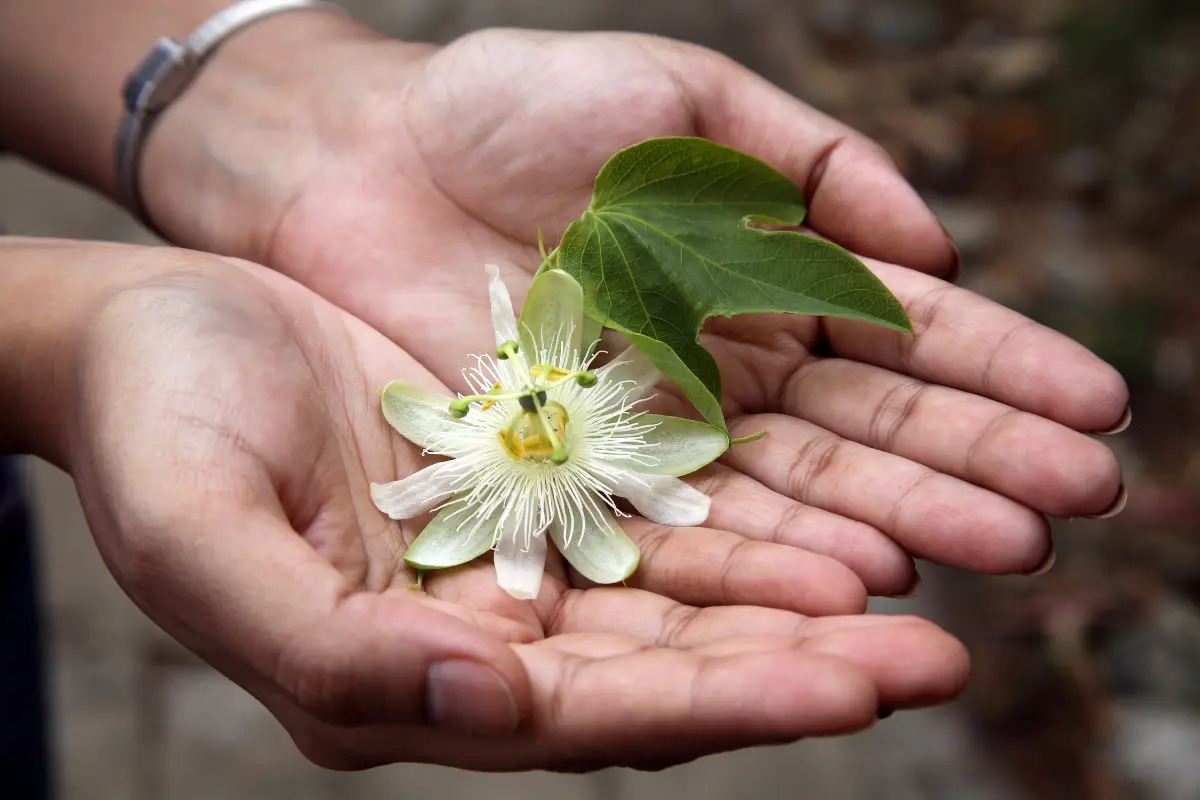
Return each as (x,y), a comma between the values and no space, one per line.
(222,425)
(392,172)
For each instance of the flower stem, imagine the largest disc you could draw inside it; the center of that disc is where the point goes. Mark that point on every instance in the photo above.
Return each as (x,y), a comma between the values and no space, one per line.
(754,437)
(549,260)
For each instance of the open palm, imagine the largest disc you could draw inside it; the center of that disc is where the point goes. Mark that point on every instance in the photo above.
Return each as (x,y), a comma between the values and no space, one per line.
(426,163)
(227,430)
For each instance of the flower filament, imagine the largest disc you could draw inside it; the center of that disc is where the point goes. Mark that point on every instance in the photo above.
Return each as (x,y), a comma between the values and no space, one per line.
(539,430)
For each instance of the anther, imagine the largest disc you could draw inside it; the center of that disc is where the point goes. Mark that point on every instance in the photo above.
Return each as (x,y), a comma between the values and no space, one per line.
(507,350)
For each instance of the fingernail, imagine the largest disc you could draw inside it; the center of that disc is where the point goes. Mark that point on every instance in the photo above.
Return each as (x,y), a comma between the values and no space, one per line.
(1121,425)
(1117,506)
(1046,565)
(883,712)
(911,590)
(468,697)
(956,270)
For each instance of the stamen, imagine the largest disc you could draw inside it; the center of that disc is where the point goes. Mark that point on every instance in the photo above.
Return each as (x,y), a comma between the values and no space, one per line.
(548,372)
(513,445)
(507,350)
(495,390)
(461,406)
(583,377)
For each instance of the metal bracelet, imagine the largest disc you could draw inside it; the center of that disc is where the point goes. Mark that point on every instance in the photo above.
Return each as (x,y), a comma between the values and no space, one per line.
(166,71)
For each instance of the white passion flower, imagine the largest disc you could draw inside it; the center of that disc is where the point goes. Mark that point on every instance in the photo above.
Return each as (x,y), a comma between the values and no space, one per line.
(541,450)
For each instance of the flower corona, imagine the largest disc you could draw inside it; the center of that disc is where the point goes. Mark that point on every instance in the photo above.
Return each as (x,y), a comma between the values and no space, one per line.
(542,448)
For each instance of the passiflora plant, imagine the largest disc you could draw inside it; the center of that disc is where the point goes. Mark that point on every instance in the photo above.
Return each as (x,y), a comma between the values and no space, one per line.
(678,230)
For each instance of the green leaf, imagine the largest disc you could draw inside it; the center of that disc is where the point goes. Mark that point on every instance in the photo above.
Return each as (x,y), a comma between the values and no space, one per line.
(415,413)
(679,446)
(667,242)
(444,544)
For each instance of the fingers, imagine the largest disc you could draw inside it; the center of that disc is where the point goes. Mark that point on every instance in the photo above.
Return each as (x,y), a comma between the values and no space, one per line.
(655,706)
(270,612)
(701,566)
(744,506)
(856,196)
(650,683)
(200,531)
(1037,462)
(608,700)
(909,661)
(931,515)
(969,343)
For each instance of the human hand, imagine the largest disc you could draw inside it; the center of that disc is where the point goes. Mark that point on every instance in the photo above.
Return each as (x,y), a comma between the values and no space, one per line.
(222,425)
(411,166)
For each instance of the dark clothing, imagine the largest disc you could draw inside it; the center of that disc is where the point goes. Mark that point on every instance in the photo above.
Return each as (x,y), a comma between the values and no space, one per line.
(24,761)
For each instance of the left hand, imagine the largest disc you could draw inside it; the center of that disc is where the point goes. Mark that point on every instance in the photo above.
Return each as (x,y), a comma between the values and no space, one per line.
(384,175)
(222,426)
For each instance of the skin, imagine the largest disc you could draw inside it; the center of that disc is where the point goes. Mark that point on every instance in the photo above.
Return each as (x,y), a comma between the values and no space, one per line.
(252,540)
(382,176)
(951,445)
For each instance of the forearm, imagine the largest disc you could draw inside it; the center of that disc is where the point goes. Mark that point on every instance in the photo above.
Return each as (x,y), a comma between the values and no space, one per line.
(48,293)
(63,64)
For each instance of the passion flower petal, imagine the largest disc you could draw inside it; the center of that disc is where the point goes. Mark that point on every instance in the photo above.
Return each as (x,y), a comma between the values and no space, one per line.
(552,317)
(663,499)
(418,415)
(453,537)
(598,549)
(677,446)
(520,563)
(632,367)
(419,492)
(503,319)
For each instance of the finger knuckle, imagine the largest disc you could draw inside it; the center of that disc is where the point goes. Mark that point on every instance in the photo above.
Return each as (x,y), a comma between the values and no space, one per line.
(814,460)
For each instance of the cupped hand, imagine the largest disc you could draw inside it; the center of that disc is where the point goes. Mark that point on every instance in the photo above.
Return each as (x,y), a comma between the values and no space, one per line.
(411,166)
(222,427)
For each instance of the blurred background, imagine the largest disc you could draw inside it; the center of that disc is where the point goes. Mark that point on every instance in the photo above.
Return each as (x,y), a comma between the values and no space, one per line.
(1059,141)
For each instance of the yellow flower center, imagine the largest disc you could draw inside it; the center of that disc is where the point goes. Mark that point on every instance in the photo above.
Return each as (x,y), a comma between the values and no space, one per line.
(526,437)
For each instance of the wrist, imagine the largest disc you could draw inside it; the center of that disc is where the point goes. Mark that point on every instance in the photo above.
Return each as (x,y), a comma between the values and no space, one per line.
(48,295)
(225,161)
(61,79)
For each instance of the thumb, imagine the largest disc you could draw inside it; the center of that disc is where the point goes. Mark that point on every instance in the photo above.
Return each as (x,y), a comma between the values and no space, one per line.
(855,194)
(254,599)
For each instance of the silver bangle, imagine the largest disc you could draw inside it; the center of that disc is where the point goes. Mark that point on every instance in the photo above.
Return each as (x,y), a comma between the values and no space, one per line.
(166,71)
